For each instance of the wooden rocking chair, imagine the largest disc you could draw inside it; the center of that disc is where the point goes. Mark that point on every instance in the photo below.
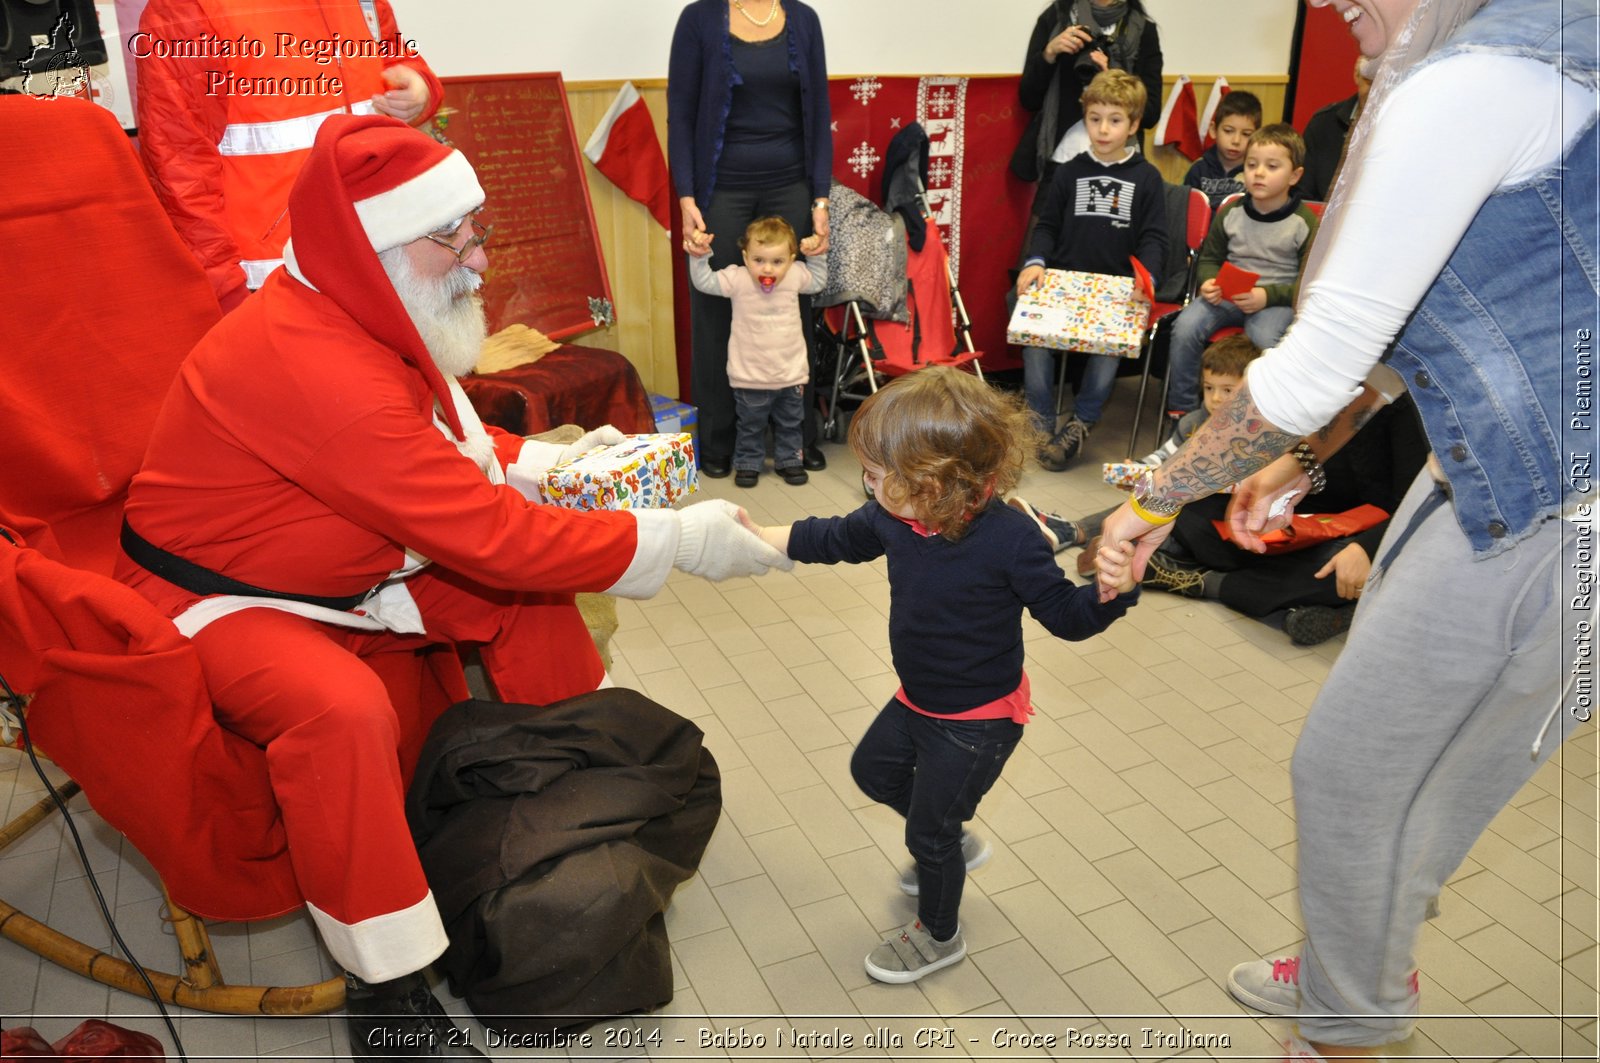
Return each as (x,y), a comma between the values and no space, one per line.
(99,303)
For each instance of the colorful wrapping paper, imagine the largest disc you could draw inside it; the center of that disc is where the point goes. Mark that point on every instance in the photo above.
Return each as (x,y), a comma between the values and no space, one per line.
(641,472)
(1073,311)
(1124,473)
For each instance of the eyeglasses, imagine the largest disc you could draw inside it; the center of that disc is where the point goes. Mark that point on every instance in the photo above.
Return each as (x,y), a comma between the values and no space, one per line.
(480,236)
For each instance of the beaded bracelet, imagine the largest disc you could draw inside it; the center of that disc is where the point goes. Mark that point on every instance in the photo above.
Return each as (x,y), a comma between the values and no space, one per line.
(1311,467)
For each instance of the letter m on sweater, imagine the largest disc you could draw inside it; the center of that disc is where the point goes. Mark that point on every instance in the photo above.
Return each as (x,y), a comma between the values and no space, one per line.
(1104,197)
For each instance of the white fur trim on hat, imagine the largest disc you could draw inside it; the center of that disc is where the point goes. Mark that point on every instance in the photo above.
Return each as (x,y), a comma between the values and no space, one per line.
(425,204)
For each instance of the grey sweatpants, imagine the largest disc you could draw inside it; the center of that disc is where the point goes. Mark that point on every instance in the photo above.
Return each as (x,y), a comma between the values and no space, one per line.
(1420,736)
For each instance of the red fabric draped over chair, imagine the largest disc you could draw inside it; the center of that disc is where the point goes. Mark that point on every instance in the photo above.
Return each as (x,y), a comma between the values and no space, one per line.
(99,303)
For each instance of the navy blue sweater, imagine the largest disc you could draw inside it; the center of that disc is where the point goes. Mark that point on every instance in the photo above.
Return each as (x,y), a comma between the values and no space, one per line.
(1093,216)
(955,608)
(700,80)
(1214,179)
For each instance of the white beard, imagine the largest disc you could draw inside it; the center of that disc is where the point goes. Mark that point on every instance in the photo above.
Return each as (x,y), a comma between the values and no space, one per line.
(448,312)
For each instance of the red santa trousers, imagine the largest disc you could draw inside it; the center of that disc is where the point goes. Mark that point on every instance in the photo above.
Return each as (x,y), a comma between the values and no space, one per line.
(298,688)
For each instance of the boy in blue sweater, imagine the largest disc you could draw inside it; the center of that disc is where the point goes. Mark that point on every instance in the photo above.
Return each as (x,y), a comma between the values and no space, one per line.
(1216,173)
(1100,208)
(939,448)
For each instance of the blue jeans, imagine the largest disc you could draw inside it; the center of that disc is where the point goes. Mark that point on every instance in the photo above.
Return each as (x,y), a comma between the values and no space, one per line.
(1039,386)
(1191,333)
(933,772)
(786,408)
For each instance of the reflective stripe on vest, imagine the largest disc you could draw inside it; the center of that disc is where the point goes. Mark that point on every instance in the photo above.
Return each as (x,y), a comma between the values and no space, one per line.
(284,135)
(257,269)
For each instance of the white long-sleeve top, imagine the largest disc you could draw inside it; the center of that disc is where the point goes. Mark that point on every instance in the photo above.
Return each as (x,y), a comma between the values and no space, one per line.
(1450,135)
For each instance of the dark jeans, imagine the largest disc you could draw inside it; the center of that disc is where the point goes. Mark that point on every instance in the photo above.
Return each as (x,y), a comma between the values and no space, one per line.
(785,408)
(933,772)
(711,316)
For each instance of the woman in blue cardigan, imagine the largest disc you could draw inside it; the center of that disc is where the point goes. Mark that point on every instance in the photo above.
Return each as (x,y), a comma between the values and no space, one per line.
(748,134)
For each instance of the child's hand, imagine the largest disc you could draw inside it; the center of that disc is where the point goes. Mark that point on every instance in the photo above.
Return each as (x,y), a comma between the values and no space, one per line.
(776,537)
(697,243)
(1210,291)
(810,244)
(1251,301)
(1114,562)
(1030,277)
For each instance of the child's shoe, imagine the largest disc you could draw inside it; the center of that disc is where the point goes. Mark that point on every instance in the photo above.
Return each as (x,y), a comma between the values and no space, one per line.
(1072,436)
(975,850)
(1312,625)
(912,953)
(746,478)
(1164,573)
(1060,533)
(794,475)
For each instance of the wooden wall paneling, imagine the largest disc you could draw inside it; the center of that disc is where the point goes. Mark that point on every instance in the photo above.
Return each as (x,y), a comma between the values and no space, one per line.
(1270,88)
(638,252)
(640,257)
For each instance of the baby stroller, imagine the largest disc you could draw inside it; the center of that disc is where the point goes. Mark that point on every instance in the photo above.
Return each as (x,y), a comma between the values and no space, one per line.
(890,305)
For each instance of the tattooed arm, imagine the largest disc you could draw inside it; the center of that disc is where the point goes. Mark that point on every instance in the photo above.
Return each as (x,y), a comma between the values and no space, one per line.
(1236,443)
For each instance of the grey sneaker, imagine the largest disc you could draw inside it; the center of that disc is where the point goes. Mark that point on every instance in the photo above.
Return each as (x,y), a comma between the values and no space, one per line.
(975,850)
(1072,437)
(1059,532)
(1053,456)
(1310,625)
(1272,986)
(912,953)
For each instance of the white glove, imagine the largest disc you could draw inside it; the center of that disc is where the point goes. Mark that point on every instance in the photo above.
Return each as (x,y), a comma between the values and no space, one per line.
(715,545)
(604,436)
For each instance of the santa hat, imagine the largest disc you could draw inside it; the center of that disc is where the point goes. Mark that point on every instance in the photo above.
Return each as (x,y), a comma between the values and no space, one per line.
(1178,125)
(369,184)
(1219,89)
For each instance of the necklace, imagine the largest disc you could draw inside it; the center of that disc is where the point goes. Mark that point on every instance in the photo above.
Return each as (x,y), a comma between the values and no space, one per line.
(772,13)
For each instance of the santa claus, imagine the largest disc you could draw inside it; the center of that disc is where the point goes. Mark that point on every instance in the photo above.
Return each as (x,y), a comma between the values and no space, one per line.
(317,486)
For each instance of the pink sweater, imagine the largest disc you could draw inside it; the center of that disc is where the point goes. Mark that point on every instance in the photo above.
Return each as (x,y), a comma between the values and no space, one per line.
(767,344)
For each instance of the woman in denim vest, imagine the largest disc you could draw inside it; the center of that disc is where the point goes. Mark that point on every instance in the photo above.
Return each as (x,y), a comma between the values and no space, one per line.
(1458,260)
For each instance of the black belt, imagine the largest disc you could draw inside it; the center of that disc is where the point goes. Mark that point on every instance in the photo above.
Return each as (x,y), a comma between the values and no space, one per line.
(200,580)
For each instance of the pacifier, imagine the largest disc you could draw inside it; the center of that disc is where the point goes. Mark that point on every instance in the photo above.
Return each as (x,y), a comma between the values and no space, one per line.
(768,283)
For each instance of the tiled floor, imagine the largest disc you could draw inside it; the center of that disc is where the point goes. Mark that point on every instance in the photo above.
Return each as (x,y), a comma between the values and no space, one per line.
(1143,832)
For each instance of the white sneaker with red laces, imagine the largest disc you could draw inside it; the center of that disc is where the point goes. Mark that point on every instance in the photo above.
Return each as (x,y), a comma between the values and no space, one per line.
(1273,986)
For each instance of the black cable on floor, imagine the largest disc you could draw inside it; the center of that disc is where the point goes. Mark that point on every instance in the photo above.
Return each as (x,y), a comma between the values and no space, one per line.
(94,884)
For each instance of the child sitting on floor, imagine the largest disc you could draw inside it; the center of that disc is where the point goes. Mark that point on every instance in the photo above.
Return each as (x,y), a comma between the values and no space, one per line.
(939,448)
(1222,370)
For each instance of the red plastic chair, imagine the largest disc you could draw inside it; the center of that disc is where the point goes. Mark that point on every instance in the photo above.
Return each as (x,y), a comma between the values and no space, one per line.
(1188,221)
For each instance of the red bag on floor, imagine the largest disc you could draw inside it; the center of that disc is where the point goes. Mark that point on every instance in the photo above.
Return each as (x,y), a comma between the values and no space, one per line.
(1309,529)
(94,1039)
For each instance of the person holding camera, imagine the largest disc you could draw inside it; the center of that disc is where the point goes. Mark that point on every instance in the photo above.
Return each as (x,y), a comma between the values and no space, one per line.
(1072,41)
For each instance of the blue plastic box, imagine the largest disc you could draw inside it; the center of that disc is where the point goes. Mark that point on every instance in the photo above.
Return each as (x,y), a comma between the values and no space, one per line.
(674,416)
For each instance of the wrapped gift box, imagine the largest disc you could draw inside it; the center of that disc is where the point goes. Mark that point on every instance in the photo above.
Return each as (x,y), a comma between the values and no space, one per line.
(641,472)
(673,417)
(1091,312)
(1123,473)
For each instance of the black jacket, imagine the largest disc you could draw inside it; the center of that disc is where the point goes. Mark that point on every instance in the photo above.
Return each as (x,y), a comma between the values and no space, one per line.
(1037,73)
(552,837)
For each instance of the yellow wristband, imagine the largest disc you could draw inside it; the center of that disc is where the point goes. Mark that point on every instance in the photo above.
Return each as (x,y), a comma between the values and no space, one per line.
(1147,516)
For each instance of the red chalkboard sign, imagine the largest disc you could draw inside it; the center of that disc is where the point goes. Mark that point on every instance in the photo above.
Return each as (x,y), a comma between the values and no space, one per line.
(545,266)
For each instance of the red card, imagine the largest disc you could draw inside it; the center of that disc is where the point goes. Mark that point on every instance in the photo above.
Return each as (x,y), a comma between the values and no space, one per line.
(1234,281)
(1142,280)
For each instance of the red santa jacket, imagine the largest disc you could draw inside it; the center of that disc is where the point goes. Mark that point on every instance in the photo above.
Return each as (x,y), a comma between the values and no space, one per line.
(230,96)
(296,453)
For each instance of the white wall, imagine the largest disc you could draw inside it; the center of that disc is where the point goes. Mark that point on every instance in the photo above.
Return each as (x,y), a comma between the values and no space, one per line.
(612,39)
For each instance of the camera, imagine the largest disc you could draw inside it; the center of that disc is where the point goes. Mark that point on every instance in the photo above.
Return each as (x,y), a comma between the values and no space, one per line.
(1084,63)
